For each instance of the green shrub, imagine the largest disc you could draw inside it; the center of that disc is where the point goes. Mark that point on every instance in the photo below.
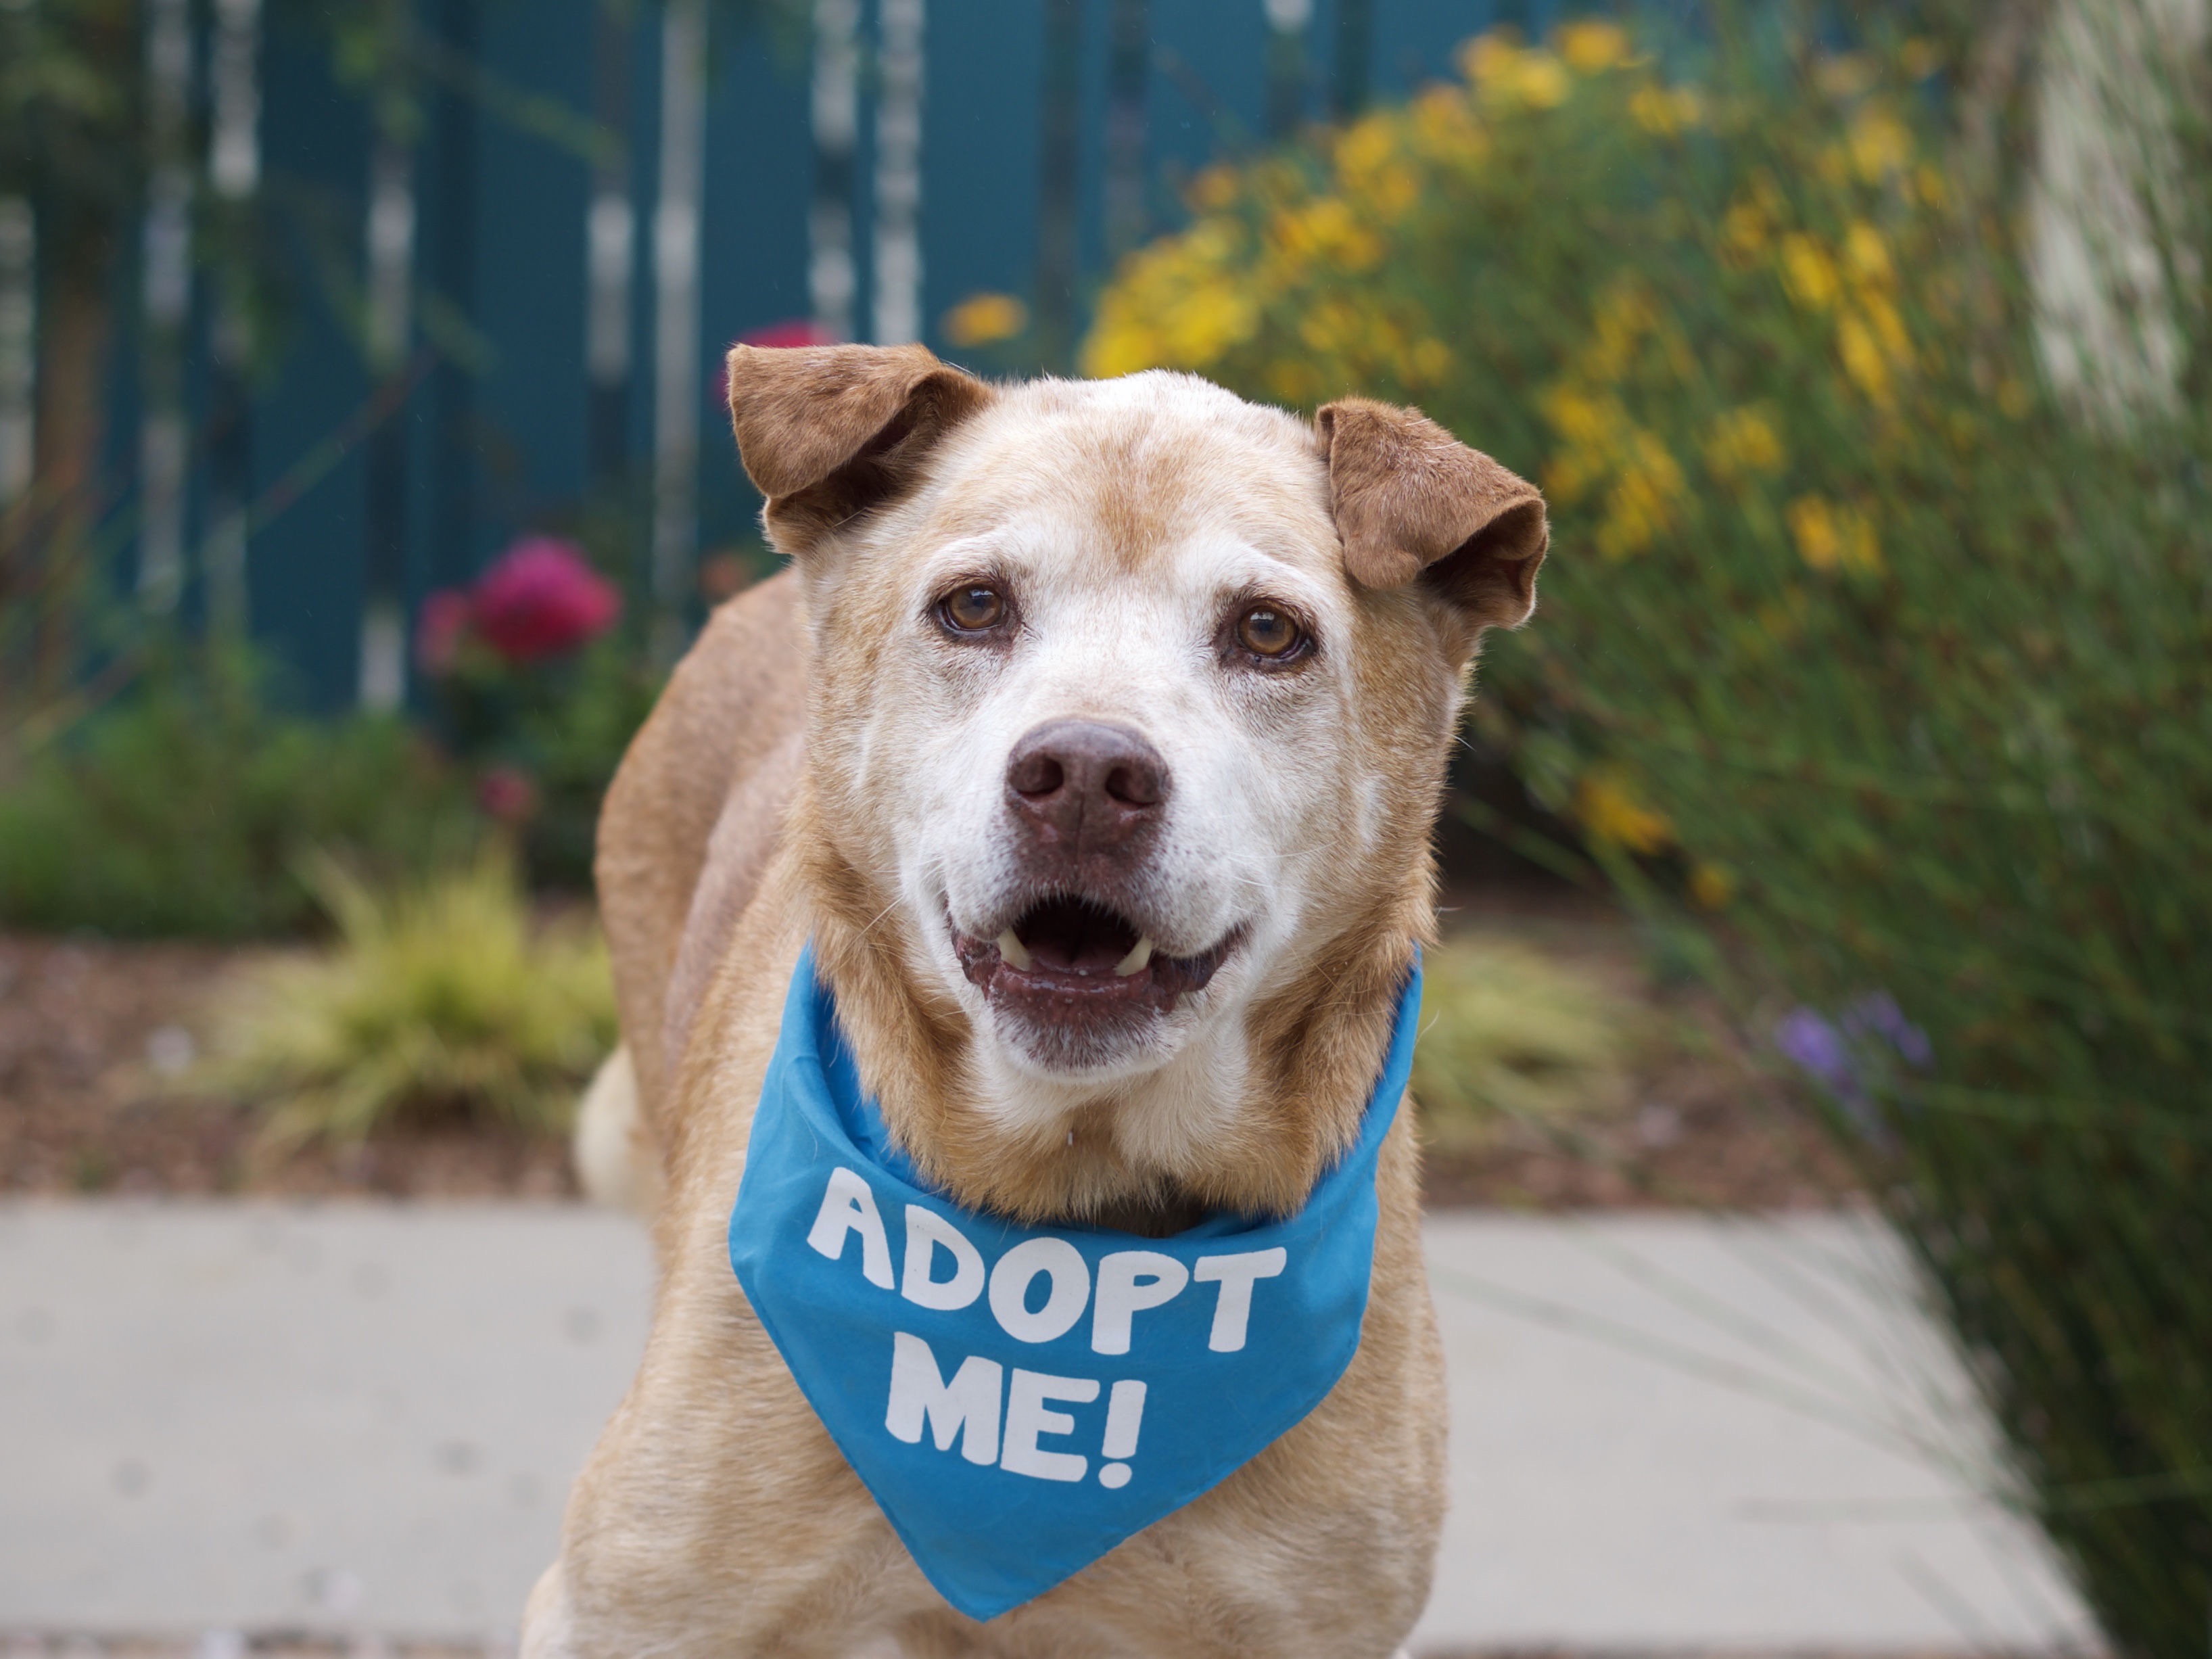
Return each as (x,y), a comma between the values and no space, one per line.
(440,1001)
(185,809)
(1861,657)
(544,742)
(1508,1032)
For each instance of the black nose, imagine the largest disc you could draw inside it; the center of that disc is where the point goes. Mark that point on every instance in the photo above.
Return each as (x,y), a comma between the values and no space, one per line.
(1087,785)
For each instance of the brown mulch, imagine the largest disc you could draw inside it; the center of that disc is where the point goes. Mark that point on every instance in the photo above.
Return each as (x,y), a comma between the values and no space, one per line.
(97,1041)
(1703,1127)
(232,1645)
(97,1046)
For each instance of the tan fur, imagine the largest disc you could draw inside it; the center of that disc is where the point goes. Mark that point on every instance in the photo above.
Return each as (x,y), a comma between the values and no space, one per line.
(618,1159)
(716,1517)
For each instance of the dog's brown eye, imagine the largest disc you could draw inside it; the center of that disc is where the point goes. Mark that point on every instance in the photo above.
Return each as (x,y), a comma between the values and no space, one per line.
(972,608)
(1266,632)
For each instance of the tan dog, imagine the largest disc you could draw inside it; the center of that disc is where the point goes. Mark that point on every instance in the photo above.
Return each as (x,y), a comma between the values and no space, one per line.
(1096,741)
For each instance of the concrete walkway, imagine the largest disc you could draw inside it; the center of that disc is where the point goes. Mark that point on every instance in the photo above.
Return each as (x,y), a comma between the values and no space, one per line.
(1668,1433)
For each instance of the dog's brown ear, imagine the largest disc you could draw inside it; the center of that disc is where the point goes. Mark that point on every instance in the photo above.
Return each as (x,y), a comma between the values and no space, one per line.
(1413,501)
(828,432)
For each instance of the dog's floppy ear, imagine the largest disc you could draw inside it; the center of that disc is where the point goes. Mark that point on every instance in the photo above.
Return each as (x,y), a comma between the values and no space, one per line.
(828,432)
(1413,501)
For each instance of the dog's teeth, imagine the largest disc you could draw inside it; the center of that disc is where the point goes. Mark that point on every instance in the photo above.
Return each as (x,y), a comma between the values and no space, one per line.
(1016,953)
(1139,954)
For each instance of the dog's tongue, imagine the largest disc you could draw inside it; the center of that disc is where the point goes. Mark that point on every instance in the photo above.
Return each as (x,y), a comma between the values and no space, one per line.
(1068,936)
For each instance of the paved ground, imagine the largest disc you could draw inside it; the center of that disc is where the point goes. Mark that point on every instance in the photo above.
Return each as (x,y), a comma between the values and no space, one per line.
(1668,1433)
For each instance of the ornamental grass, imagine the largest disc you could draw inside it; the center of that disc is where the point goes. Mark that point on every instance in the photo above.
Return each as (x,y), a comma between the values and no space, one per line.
(1875,658)
(440,1000)
(1511,1034)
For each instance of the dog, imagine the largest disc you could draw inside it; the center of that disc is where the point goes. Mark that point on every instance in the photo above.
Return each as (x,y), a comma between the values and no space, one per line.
(1090,749)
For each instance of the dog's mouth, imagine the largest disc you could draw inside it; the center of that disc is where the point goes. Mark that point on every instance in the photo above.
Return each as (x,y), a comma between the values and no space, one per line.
(1070,959)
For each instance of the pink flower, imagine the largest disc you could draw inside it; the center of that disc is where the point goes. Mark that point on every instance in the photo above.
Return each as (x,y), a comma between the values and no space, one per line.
(507,793)
(793,332)
(439,626)
(541,599)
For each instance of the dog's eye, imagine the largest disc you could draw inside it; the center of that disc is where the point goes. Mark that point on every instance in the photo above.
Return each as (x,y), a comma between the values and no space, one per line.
(1266,632)
(972,608)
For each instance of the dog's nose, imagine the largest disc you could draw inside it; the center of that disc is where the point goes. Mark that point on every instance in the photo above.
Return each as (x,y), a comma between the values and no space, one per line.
(1088,786)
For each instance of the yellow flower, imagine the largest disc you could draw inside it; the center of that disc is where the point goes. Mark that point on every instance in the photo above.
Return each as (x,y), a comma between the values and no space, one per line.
(1743,441)
(1867,254)
(1889,329)
(1489,59)
(1213,189)
(1881,143)
(1611,812)
(1327,229)
(1509,74)
(1182,302)
(1640,507)
(1830,537)
(1363,147)
(1624,315)
(1206,322)
(1431,361)
(1333,327)
(1743,234)
(1808,272)
(981,319)
(1711,886)
(1845,75)
(1862,358)
(1919,58)
(1444,126)
(1543,83)
(1666,111)
(1591,48)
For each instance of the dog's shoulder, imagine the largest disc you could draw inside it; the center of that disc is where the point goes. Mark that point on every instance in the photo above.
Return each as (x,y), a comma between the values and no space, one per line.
(725,730)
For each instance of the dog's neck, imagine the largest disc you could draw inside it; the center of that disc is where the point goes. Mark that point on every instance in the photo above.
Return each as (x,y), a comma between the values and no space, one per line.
(1311,1054)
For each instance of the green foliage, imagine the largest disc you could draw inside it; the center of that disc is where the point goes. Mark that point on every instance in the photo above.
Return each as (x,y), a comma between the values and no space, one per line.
(71,102)
(440,1000)
(1508,1032)
(549,735)
(186,807)
(1865,650)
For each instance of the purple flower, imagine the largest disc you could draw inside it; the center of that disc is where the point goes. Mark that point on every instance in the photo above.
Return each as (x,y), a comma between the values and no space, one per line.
(1820,1049)
(1842,1055)
(1878,1015)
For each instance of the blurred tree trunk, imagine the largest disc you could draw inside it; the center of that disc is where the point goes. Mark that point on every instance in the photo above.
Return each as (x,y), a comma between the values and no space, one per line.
(77,326)
(72,144)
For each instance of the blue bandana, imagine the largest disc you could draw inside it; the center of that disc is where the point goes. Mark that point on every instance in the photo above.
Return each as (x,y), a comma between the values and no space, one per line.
(1020,1400)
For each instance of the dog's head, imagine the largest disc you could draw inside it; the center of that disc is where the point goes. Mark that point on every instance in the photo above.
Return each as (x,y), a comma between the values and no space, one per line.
(1131,699)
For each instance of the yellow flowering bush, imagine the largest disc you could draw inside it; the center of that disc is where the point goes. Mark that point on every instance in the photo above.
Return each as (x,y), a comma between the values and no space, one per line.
(1685,316)
(1877,681)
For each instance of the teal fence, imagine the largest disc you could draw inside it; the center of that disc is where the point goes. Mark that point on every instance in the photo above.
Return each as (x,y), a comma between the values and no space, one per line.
(509,318)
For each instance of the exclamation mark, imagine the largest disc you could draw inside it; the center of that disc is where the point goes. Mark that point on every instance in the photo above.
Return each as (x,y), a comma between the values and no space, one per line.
(1125,1414)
